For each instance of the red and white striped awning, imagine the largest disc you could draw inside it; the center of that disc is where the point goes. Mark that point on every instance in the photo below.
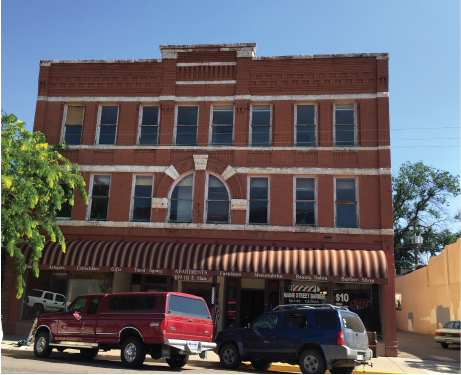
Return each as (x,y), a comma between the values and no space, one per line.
(199,260)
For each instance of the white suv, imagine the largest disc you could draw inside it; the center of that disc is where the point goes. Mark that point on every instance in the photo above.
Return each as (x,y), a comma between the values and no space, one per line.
(43,301)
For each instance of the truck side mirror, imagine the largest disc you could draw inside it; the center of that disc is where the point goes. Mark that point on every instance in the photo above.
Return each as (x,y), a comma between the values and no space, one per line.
(249,326)
(67,310)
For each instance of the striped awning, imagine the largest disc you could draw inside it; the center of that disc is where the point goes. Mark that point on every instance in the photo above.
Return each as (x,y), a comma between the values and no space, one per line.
(197,261)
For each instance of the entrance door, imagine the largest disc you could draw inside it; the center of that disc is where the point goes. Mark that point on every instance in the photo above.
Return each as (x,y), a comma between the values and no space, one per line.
(251,306)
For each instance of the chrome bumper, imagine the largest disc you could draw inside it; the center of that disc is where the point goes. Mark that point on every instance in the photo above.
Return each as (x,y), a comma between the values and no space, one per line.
(197,347)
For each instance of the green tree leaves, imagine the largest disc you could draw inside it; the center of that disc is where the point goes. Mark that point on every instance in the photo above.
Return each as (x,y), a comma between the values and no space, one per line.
(31,171)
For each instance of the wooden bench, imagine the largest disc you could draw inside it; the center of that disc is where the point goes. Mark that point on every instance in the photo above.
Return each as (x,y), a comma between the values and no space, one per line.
(373,343)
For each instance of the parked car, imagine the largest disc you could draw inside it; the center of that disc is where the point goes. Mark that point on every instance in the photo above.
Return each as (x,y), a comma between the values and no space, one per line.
(163,324)
(42,301)
(449,334)
(315,337)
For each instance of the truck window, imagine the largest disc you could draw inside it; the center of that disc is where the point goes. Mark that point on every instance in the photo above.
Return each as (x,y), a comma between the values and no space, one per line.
(93,307)
(78,305)
(294,321)
(133,303)
(325,319)
(183,306)
(352,322)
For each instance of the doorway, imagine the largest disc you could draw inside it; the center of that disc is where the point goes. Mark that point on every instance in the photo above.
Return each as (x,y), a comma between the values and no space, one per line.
(251,306)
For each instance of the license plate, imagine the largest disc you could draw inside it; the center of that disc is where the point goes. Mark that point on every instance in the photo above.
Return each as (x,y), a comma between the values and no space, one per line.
(359,357)
(193,346)
(448,341)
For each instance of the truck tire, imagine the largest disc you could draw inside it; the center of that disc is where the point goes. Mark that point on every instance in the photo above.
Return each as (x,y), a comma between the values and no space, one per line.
(88,354)
(177,361)
(229,356)
(312,362)
(133,352)
(342,370)
(261,365)
(42,348)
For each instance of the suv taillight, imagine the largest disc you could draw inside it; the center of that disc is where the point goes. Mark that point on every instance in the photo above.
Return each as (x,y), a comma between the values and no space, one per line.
(438,334)
(341,338)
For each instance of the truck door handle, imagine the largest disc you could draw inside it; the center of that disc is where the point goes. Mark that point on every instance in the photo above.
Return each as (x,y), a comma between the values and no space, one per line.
(190,320)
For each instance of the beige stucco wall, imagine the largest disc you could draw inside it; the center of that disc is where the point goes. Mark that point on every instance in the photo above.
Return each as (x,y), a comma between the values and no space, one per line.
(431,295)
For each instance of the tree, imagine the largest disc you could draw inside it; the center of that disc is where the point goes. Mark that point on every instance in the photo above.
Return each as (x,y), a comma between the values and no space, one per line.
(421,194)
(31,193)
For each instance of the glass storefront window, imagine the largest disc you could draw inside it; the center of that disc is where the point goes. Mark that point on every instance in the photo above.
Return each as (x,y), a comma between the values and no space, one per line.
(88,283)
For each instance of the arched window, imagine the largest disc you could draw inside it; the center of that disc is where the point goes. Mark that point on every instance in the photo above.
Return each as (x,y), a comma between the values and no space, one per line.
(181,200)
(217,201)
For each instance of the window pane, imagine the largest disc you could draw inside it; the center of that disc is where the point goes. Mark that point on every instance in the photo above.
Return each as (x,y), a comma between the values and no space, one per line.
(344,136)
(325,319)
(99,208)
(186,136)
(101,185)
(141,209)
(150,115)
(346,216)
(184,306)
(133,303)
(223,115)
(344,116)
(187,115)
(305,136)
(305,213)
(183,189)
(73,135)
(294,321)
(74,115)
(345,190)
(65,211)
(261,115)
(259,188)
(109,115)
(305,189)
(258,212)
(79,305)
(93,306)
(148,135)
(218,212)
(216,189)
(260,136)
(107,135)
(181,211)
(222,136)
(305,115)
(143,186)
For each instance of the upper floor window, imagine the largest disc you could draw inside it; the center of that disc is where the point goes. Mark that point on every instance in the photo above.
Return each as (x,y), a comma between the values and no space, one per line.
(108,120)
(217,201)
(260,125)
(305,125)
(222,125)
(305,201)
(66,209)
(148,127)
(73,125)
(186,125)
(99,197)
(346,203)
(142,198)
(259,200)
(182,199)
(344,125)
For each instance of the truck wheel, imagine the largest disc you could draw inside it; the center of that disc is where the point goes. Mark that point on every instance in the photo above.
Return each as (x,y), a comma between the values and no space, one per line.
(444,345)
(261,365)
(89,354)
(230,357)
(42,348)
(133,352)
(311,362)
(342,370)
(177,361)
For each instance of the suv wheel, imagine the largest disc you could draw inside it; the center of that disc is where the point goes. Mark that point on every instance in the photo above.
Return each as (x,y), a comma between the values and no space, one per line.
(311,362)
(261,365)
(444,345)
(342,370)
(42,348)
(177,361)
(133,352)
(89,354)
(230,357)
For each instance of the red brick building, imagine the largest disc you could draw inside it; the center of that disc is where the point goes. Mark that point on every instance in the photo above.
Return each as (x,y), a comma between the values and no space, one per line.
(268,178)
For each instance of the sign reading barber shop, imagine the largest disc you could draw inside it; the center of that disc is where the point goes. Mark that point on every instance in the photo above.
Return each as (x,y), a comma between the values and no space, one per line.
(302,293)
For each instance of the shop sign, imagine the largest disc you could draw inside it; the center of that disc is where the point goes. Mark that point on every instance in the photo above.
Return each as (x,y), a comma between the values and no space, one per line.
(190,275)
(296,293)
(359,304)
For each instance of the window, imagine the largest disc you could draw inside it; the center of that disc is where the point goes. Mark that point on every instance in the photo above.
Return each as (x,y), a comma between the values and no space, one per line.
(100,197)
(268,321)
(142,198)
(36,293)
(305,124)
(325,319)
(222,125)
(59,298)
(344,125)
(133,303)
(181,200)
(293,321)
(305,201)
(217,201)
(186,126)
(352,322)
(261,125)
(148,127)
(73,125)
(190,307)
(346,203)
(93,306)
(66,209)
(259,200)
(108,121)
(48,296)
(78,305)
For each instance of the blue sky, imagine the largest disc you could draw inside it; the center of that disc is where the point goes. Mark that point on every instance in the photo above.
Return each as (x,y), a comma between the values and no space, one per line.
(422,38)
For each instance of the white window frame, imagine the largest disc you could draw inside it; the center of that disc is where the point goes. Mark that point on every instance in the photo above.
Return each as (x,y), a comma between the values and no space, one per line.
(268,199)
(99,122)
(90,196)
(141,111)
(133,185)
(355,123)
(315,125)
(315,201)
(176,122)
(171,192)
(210,132)
(357,211)
(205,211)
(250,137)
(64,119)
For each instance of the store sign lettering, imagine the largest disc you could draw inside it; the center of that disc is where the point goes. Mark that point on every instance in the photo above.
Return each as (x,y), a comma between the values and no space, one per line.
(234,274)
(323,278)
(268,275)
(139,270)
(116,269)
(56,268)
(359,304)
(304,295)
(365,280)
(191,272)
(154,271)
(349,279)
(301,277)
(85,268)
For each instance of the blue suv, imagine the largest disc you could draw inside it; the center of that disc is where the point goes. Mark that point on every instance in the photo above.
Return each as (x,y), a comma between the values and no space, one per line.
(315,337)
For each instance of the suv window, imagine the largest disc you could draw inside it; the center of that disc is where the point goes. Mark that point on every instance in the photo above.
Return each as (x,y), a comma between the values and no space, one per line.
(184,306)
(268,321)
(49,296)
(59,298)
(325,319)
(352,322)
(133,303)
(93,307)
(36,293)
(79,305)
(294,321)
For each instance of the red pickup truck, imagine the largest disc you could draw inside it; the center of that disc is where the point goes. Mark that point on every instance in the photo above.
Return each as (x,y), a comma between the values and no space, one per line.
(165,325)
